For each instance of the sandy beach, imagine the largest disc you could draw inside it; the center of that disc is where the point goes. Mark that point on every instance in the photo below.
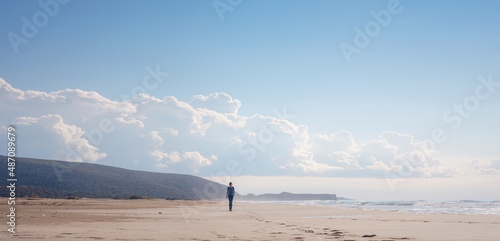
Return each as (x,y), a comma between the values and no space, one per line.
(105,219)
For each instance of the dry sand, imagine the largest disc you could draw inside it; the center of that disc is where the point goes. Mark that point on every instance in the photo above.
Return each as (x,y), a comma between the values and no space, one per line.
(104,219)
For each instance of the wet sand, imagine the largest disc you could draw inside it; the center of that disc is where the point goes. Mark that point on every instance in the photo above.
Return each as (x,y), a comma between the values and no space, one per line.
(106,219)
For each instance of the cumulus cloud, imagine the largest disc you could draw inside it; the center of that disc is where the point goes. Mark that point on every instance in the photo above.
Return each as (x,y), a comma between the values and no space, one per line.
(83,108)
(486,167)
(191,160)
(53,139)
(392,153)
(219,102)
(204,136)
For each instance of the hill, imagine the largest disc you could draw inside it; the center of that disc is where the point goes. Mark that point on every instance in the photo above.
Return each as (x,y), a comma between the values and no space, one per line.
(60,179)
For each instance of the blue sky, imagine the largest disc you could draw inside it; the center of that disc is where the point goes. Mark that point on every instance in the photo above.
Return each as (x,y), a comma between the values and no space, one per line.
(272,54)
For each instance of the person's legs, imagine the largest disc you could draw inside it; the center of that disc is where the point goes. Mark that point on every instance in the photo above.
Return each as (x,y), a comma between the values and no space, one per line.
(230,202)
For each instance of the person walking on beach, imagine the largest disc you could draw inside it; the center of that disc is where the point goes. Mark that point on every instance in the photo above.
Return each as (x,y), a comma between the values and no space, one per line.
(230,194)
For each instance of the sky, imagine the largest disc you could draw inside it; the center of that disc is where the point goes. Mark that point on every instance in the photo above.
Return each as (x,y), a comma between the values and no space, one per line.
(365,99)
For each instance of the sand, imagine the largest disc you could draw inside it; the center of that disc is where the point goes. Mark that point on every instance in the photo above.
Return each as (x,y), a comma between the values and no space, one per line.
(105,219)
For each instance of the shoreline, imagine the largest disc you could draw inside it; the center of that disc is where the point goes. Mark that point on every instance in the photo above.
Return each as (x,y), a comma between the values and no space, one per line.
(158,219)
(405,206)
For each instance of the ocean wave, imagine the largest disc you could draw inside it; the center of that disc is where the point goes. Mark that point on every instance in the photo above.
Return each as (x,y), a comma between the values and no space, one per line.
(416,206)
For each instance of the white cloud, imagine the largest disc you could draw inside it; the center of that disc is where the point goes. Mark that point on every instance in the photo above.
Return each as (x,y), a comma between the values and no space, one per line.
(486,167)
(191,160)
(219,102)
(156,136)
(392,152)
(53,139)
(83,108)
(201,136)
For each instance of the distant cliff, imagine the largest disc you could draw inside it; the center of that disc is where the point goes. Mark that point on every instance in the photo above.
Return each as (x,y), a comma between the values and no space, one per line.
(286,196)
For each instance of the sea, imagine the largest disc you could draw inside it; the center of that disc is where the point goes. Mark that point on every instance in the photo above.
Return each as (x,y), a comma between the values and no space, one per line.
(417,206)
